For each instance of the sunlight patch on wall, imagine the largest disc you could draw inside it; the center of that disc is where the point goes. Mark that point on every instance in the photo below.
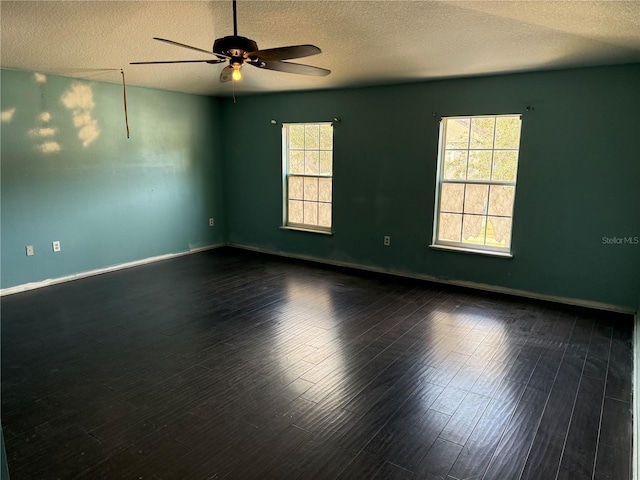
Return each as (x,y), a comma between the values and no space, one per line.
(40,78)
(7,115)
(49,147)
(79,99)
(42,132)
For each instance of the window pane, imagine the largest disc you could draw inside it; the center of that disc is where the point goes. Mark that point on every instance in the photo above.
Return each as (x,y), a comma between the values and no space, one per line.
(324,214)
(450,227)
(501,200)
(296,161)
(312,137)
(326,163)
(499,232)
(455,166)
(473,227)
(296,136)
(311,213)
(295,211)
(295,188)
(311,188)
(451,197)
(482,130)
(505,165)
(479,165)
(326,137)
(457,133)
(508,132)
(308,166)
(324,190)
(475,198)
(311,163)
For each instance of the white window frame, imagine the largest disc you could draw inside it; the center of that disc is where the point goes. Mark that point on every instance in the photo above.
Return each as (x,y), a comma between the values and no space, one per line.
(286,224)
(469,247)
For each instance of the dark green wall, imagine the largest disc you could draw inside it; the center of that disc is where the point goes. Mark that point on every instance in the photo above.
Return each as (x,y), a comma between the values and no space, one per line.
(578,179)
(113,200)
(191,157)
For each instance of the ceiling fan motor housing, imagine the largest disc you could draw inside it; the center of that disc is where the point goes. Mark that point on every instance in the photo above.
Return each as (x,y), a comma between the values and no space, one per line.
(234,46)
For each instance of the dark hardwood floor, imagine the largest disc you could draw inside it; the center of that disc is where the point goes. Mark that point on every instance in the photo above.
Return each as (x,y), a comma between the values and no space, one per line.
(230,364)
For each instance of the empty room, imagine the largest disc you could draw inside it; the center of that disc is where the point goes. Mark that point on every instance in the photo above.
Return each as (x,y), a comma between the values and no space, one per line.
(319,239)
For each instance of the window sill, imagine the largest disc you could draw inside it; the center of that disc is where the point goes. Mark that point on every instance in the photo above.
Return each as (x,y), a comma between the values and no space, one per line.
(490,253)
(308,230)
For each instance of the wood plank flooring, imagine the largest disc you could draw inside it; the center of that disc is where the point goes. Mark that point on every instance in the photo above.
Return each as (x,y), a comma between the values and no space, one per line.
(230,364)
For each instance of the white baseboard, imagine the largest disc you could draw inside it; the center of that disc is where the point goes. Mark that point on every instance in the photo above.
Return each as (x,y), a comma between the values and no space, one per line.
(460,283)
(77,276)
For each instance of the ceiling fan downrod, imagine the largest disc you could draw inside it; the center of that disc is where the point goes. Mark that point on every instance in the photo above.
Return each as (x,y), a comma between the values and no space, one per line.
(235,19)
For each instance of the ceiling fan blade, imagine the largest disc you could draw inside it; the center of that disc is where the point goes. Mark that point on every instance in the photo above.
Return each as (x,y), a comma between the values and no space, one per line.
(178,61)
(286,53)
(225,74)
(287,67)
(184,46)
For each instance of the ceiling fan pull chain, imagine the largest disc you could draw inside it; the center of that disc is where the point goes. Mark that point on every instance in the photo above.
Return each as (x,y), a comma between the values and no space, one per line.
(233,89)
(124,92)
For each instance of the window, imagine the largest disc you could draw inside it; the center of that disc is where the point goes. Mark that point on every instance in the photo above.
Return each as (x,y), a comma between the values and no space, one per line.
(476,182)
(307,157)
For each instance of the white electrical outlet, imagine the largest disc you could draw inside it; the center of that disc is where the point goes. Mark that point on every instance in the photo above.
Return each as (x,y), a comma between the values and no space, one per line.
(29,250)
(211,222)
(387,240)
(56,246)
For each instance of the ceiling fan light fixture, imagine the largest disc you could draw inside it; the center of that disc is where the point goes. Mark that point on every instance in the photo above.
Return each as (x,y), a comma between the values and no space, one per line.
(236,75)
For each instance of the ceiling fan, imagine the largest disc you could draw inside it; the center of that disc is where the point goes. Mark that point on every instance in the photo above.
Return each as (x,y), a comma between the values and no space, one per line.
(237,51)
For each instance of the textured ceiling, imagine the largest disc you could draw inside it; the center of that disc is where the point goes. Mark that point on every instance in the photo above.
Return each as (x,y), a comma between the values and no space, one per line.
(363,42)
